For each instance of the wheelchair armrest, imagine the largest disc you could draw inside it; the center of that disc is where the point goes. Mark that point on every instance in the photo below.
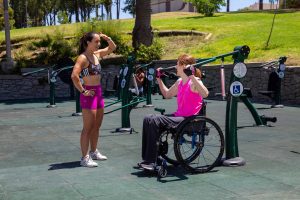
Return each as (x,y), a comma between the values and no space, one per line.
(161,110)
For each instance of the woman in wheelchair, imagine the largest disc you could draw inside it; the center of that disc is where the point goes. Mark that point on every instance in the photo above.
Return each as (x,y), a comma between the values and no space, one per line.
(190,92)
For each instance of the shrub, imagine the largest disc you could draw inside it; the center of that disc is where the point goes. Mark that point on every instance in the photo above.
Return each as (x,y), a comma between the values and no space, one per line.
(207,7)
(62,17)
(110,28)
(292,3)
(154,52)
(52,48)
(21,60)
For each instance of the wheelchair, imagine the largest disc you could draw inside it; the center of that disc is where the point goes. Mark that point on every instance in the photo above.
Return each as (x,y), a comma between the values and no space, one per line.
(197,144)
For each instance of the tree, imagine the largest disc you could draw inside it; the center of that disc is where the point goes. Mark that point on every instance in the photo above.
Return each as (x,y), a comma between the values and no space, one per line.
(118,2)
(107,6)
(130,7)
(228,6)
(142,31)
(62,17)
(10,13)
(207,7)
(291,4)
(261,3)
(97,4)
(19,8)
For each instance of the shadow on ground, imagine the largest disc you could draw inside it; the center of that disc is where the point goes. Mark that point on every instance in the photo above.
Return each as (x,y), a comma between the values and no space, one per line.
(66,165)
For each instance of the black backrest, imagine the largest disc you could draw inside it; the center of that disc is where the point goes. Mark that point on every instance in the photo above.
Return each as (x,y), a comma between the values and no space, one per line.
(274,81)
(116,82)
(202,112)
(65,75)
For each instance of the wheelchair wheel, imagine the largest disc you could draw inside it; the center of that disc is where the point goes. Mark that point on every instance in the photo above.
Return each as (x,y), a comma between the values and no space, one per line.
(166,148)
(162,172)
(199,145)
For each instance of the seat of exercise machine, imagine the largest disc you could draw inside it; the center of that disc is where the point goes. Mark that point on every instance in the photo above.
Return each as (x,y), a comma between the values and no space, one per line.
(65,75)
(247,92)
(107,91)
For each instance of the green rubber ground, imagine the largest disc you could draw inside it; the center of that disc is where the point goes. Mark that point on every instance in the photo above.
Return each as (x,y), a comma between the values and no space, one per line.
(40,152)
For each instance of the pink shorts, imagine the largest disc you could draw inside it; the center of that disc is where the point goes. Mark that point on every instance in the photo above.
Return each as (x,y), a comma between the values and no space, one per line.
(92,102)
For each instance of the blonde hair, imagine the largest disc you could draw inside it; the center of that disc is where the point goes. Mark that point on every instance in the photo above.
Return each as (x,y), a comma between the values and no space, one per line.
(186,59)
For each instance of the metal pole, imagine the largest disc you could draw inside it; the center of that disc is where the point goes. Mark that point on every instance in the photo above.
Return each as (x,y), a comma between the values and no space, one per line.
(51,81)
(150,78)
(222,73)
(52,95)
(78,111)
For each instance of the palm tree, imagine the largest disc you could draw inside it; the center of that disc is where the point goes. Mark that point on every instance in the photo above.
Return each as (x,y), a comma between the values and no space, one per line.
(228,6)
(118,5)
(142,31)
(8,65)
(107,5)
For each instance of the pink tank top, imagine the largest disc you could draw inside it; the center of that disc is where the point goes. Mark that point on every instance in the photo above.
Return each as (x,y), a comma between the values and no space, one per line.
(189,103)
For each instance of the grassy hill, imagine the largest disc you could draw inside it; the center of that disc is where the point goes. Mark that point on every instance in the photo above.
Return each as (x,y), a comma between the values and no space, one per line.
(227,31)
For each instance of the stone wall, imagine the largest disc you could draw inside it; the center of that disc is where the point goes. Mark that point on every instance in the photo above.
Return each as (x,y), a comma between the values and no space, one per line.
(36,86)
(30,87)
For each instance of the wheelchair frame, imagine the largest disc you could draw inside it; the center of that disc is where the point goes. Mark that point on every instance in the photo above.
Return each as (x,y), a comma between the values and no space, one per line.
(198,145)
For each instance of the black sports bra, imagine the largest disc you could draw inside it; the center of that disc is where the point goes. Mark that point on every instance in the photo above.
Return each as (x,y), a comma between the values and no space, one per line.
(91,70)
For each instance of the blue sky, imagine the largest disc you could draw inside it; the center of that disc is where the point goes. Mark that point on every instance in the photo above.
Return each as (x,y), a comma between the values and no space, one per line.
(238,4)
(235,5)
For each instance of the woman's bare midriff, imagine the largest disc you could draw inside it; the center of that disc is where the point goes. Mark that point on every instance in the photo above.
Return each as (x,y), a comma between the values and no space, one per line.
(92,80)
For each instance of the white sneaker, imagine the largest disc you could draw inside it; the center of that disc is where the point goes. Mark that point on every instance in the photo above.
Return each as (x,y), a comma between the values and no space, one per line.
(97,155)
(88,162)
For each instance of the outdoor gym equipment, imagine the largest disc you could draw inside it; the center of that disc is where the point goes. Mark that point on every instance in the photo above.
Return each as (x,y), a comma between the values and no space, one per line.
(274,83)
(114,91)
(235,93)
(52,76)
(127,99)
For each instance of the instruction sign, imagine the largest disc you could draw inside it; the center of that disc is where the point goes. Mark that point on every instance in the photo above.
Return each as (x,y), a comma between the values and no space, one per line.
(125,71)
(150,77)
(281,75)
(239,70)
(123,82)
(151,71)
(282,67)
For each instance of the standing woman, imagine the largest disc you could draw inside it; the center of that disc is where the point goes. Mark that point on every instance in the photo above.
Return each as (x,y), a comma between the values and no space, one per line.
(87,65)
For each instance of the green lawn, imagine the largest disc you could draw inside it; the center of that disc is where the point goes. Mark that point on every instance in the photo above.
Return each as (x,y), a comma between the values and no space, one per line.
(228,30)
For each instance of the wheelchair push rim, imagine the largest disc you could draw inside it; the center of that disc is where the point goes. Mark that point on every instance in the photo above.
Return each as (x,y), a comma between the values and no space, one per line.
(199,145)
